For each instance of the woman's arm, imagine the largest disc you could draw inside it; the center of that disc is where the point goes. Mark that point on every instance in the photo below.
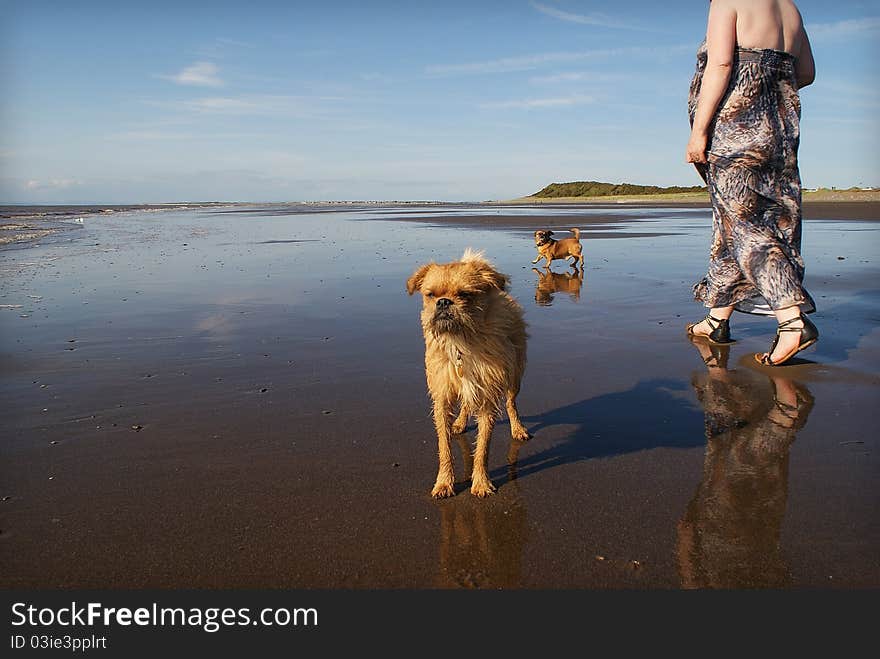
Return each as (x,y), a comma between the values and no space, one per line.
(720,45)
(806,67)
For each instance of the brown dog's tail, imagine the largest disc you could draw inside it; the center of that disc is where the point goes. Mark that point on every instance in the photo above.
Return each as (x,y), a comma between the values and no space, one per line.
(577,233)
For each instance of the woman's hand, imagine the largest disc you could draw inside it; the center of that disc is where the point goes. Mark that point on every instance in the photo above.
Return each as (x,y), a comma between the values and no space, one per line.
(696,148)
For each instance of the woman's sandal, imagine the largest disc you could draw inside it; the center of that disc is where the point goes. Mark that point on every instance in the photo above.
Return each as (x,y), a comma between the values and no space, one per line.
(795,415)
(809,336)
(789,412)
(720,333)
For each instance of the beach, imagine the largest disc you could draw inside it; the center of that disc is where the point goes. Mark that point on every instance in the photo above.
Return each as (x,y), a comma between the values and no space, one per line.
(233,396)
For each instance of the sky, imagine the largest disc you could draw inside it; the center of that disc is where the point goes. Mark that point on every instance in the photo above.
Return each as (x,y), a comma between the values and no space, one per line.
(143,102)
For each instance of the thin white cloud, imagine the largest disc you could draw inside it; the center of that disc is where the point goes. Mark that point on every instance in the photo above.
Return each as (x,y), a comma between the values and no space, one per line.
(200,74)
(51,184)
(531,62)
(257,104)
(162,136)
(578,76)
(376,77)
(599,20)
(224,105)
(234,42)
(849,28)
(537,103)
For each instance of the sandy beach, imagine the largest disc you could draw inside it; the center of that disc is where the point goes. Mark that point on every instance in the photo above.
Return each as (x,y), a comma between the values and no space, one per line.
(234,397)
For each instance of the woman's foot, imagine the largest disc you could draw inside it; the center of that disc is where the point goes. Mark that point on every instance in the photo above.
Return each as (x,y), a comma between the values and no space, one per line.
(792,336)
(701,329)
(788,341)
(713,328)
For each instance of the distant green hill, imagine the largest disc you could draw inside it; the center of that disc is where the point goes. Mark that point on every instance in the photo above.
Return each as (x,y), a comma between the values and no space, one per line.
(598,189)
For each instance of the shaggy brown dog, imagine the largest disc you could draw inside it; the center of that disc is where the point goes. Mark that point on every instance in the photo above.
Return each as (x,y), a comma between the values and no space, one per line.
(553,250)
(475,355)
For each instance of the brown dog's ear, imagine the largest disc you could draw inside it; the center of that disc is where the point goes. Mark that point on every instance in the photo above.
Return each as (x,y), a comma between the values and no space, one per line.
(549,233)
(414,283)
(491,278)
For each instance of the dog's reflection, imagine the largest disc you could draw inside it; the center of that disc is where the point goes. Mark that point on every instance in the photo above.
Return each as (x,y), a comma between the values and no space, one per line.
(549,283)
(481,542)
(729,535)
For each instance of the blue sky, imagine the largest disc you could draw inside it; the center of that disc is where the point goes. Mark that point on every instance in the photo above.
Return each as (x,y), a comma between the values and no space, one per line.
(115,102)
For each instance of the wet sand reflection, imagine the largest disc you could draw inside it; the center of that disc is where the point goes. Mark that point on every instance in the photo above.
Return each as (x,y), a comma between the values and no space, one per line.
(549,283)
(729,536)
(481,542)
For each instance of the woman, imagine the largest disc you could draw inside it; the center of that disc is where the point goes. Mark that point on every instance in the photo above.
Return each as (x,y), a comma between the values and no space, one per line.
(745,112)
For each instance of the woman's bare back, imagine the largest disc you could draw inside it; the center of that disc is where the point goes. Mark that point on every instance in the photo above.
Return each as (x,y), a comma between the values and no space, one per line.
(775,24)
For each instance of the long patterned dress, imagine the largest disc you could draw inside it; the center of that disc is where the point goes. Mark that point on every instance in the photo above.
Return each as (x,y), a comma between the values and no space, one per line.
(755,261)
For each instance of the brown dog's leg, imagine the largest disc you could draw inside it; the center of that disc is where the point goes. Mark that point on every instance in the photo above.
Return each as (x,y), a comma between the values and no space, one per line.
(445,478)
(481,486)
(517,430)
(461,422)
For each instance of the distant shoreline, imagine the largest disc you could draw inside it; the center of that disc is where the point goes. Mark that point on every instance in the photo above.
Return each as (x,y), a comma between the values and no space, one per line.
(822,195)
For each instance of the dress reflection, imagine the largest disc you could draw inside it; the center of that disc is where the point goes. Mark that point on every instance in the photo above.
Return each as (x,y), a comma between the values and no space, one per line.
(549,283)
(729,534)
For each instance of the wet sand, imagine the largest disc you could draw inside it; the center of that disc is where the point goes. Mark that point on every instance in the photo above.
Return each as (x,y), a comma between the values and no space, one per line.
(235,398)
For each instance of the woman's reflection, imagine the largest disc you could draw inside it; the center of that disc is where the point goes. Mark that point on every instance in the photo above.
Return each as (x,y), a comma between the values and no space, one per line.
(729,534)
(549,283)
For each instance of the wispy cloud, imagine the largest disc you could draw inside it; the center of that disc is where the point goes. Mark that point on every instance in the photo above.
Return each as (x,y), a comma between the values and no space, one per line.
(849,28)
(256,104)
(537,103)
(168,136)
(51,184)
(376,77)
(532,62)
(234,42)
(578,76)
(599,20)
(200,74)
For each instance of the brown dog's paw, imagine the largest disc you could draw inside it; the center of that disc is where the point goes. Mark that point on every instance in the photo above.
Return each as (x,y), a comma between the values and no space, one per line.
(482,488)
(442,491)
(458,428)
(521,434)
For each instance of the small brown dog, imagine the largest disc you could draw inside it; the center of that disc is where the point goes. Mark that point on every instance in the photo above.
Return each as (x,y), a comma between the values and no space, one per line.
(553,250)
(475,355)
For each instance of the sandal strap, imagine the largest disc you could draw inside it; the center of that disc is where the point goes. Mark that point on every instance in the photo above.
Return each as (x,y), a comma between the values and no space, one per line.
(791,411)
(710,319)
(784,325)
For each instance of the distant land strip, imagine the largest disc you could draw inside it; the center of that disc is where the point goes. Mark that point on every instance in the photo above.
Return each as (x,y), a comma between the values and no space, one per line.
(598,192)
(600,189)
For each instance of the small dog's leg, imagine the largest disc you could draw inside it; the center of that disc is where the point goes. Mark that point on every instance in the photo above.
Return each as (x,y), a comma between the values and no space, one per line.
(582,261)
(517,429)
(481,486)
(443,487)
(461,422)
(549,261)
(537,258)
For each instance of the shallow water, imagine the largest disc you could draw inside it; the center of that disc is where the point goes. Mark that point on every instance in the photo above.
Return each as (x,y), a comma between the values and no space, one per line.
(236,397)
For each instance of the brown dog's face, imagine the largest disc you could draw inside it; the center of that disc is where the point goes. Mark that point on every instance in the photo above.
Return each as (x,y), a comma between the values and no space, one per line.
(542,237)
(453,293)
